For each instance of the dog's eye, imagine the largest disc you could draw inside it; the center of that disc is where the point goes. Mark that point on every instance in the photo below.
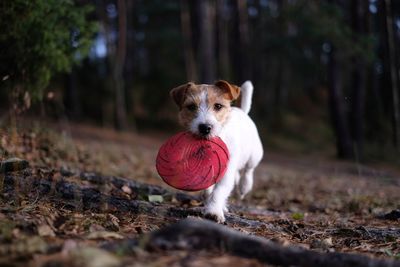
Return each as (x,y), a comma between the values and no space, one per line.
(191,107)
(218,107)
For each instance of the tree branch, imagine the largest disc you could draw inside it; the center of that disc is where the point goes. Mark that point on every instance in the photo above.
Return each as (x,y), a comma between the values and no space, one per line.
(202,234)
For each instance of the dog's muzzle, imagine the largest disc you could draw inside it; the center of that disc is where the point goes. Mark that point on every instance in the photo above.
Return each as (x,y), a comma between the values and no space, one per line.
(205,129)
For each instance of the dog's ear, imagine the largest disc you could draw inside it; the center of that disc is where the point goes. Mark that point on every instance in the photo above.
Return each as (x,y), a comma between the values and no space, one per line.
(178,93)
(232,91)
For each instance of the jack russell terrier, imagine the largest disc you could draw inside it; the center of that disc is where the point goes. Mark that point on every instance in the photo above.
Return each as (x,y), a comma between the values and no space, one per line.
(206,111)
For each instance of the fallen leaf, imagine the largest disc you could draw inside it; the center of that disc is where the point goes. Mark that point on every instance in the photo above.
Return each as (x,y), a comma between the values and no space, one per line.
(93,257)
(298,216)
(96,228)
(156,198)
(104,235)
(45,230)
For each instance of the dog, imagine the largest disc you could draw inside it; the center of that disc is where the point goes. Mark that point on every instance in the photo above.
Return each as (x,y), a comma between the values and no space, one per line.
(206,111)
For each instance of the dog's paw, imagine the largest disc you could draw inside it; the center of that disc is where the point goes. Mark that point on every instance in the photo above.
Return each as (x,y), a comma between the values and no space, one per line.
(215,215)
(215,218)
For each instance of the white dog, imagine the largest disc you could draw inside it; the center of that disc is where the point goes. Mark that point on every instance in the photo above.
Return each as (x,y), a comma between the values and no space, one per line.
(206,111)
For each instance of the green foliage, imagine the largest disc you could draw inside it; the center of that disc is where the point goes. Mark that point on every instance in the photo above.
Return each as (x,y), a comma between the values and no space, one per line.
(298,216)
(40,38)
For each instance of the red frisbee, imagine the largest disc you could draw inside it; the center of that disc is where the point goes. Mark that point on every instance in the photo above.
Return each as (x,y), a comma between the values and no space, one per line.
(190,163)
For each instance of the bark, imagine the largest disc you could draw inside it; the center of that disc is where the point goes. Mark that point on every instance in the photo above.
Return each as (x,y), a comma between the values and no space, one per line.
(280,91)
(207,41)
(223,40)
(90,191)
(190,62)
(393,74)
(359,10)
(244,38)
(394,215)
(104,194)
(109,108)
(337,108)
(201,234)
(72,101)
(129,75)
(118,68)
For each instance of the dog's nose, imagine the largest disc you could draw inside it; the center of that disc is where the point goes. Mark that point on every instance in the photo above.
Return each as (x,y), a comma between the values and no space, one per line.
(204,128)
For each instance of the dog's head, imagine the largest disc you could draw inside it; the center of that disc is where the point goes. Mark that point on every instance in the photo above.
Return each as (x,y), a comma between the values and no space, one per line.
(203,108)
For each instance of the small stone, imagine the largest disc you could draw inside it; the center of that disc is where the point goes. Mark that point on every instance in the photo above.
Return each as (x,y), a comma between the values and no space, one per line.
(327,242)
(68,246)
(13,165)
(126,189)
(66,172)
(322,244)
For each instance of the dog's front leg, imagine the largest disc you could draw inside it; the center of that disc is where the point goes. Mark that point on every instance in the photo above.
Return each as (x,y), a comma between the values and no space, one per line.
(216,202)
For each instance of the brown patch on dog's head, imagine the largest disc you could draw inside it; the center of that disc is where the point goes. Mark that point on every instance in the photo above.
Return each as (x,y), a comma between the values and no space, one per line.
(218,103)
(202,103)
(232,91)
(190,104)
(178,93)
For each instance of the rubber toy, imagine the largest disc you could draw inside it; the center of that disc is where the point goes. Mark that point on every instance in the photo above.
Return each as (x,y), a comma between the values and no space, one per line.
(190,163)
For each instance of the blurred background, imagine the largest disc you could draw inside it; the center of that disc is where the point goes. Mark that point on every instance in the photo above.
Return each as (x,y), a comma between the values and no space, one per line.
(326,73)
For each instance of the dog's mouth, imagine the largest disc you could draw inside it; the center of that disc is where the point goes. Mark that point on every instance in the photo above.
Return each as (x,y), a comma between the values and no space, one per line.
(207,136)
(204,136)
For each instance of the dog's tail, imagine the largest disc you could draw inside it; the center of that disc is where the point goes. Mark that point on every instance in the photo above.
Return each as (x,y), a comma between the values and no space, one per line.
(246,95)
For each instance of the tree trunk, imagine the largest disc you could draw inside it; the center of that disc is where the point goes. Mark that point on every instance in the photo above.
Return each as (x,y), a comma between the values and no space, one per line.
(118,68)
(337,108)
(129,75)
(358,11)
(223,41)
(190,62)
(244,40)
(207,41)
(393,74)
(280,77)
(72,101)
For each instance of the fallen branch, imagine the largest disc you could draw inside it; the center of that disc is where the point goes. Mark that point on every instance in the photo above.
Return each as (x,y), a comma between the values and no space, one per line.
(202,234)
(72,195)
(367,233)
(118,182)
(393,215)
(77,197)
(188,233)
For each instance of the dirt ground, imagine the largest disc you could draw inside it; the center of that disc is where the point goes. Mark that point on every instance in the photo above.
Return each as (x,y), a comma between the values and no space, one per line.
(313,202)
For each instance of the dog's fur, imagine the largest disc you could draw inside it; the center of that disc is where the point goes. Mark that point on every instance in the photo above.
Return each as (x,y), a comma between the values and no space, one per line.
(211,105)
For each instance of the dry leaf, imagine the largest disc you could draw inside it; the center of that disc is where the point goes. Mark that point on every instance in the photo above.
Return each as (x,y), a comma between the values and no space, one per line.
(93,257)
(104,235)
(45,230)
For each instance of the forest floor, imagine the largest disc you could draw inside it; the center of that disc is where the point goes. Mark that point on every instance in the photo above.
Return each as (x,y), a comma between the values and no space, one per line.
(91,196)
